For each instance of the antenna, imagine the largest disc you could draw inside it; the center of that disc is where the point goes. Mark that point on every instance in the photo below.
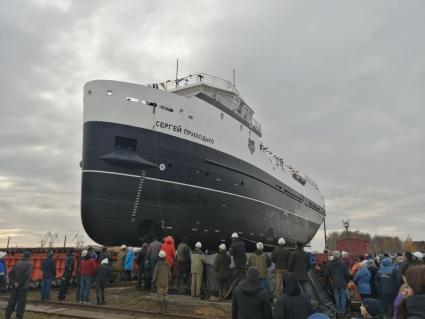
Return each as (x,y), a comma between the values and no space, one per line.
(234,77)
(177,70)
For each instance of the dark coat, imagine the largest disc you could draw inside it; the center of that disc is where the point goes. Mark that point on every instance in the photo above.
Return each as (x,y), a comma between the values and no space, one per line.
(292,304)
(21,273)
(102,273)
(222,265)
(69,265)
(415,306)
(141,257)
(337,273)
(49,268)
(280,256)
(299,264)
(183,253)
(251,301)
(238,251)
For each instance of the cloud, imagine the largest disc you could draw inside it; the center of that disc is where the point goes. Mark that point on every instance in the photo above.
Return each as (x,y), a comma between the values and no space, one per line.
(337,87)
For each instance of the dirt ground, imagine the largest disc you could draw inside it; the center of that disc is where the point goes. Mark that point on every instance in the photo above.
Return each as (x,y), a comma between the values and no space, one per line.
(129,297)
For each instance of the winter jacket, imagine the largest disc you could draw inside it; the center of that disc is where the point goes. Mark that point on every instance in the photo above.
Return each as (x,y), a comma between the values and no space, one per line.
(2,268)
(87,267)
(238,251)
(299,264)
(170,251)
(69,265)
(386,278)
(362,281)
(102,273)
(119,265)
(280,256)
(141,257)
(49,268)
(222,265)
(129,260)
(260,261)
(292,304)
(197,262)
(415,306)
(337,273)
(251,301)
(161,274)
(183,253)
(153,249)
(21,273)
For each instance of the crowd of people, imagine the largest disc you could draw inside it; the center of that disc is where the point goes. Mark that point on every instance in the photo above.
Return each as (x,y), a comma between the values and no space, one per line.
(387,285)
(381,283)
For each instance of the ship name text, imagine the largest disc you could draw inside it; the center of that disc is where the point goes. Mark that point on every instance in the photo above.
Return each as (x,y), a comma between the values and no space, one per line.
(179,129)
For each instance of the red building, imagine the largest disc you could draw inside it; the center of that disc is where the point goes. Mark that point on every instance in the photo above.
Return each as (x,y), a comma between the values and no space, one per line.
(354,247)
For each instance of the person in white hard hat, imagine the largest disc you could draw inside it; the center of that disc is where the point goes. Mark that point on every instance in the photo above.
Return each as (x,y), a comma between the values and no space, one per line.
(197,269)
(262,262)
(222,270)
(238,251)
(280,257)
(102,275)
(161,278)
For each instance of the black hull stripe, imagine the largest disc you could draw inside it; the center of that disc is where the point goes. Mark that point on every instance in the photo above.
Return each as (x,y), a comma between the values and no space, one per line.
(200,187)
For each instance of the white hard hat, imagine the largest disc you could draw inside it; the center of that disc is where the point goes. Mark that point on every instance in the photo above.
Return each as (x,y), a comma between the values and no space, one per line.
(281,241)
(418,255)
(2,254)
(104,261)
(260,246)
(222,247)
(162,254)
(235,235)
(84,253)
(198,244)
(123,246)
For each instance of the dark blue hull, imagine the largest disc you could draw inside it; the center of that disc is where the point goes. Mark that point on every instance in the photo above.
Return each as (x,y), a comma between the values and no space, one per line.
(198,192)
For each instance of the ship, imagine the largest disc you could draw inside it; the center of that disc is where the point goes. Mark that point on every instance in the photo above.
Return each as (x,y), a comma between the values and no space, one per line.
(186,158)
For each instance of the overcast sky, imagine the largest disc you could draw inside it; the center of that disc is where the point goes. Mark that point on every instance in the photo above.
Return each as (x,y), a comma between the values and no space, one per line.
(338,86)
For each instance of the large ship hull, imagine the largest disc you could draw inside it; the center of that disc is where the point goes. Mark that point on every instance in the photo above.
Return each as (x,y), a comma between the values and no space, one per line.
(173,186)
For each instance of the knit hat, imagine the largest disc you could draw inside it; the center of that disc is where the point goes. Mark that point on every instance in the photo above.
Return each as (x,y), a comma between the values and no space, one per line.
(27,254)
(252,274)
(198,245)
(104,261)
(235,235)
(2,254)
(281,241)
(222,247)
(260,246)
(373,306)
(162,254)
(318,315)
